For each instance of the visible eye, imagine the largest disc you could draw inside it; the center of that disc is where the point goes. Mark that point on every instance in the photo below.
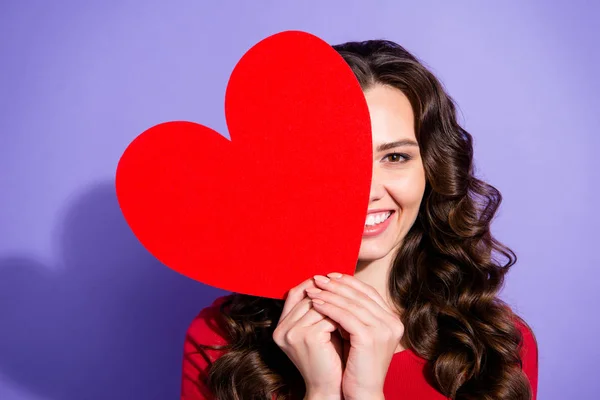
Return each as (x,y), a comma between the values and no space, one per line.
(397,158)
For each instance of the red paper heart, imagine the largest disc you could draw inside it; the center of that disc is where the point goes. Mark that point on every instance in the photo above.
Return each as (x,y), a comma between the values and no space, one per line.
(285,199)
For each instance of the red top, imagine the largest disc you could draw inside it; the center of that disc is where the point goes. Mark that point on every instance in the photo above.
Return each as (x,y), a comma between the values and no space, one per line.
(405,378)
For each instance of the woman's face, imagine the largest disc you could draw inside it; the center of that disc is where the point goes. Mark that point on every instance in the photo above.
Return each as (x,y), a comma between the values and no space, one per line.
(398,180)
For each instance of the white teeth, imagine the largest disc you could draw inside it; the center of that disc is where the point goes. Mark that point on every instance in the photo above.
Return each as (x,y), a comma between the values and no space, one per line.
(375,219)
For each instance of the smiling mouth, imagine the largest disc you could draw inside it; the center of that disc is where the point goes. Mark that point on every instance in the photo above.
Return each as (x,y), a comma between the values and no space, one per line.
(378,218)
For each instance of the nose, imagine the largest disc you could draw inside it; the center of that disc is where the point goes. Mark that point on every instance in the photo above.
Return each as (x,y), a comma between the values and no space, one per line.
(377,187)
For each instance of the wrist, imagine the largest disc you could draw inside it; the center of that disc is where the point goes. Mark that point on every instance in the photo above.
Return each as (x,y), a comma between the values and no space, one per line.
(365,396)
(315,395)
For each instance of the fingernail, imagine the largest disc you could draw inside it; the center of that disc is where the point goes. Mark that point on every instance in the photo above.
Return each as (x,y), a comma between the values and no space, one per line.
(318,301)
(313,290)
(335,275)
(321,278)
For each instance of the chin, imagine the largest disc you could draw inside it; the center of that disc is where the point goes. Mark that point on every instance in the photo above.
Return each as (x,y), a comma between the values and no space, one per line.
(372,252)
(377,248)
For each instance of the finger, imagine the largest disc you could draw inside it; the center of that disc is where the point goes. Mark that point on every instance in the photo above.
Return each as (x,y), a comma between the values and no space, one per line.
(310,318)
(296,313)
(325,331)
(356,308)
(344,318)
(317,322)
(303,315)
(294,296)
(357,297)
(360,286)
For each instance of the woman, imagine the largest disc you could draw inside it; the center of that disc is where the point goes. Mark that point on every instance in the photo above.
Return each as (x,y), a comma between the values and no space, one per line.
(420,319)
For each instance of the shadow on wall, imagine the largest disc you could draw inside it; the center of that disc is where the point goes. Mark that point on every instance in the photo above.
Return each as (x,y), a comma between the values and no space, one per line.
(107,323)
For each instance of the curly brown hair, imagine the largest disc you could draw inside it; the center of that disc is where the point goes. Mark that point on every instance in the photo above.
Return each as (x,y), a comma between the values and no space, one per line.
(446,275)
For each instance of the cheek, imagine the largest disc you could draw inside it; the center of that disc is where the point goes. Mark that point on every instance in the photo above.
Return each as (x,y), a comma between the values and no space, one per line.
(407,191)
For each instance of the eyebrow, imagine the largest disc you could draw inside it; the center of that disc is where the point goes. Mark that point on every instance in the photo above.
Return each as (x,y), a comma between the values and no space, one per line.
(399,143)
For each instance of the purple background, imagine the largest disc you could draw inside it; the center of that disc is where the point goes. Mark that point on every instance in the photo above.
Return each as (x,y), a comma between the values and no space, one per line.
(86,313)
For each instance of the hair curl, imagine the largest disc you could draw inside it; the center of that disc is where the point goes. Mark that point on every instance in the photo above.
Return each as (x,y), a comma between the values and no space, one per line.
(446,275)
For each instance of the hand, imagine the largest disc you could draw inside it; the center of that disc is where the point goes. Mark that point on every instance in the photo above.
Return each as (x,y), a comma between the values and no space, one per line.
(310,340)
(373,329)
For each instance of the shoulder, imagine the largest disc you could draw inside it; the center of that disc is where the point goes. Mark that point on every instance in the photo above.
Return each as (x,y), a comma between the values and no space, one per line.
(529,342)
(206,329)
(528,351)
(209,319)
